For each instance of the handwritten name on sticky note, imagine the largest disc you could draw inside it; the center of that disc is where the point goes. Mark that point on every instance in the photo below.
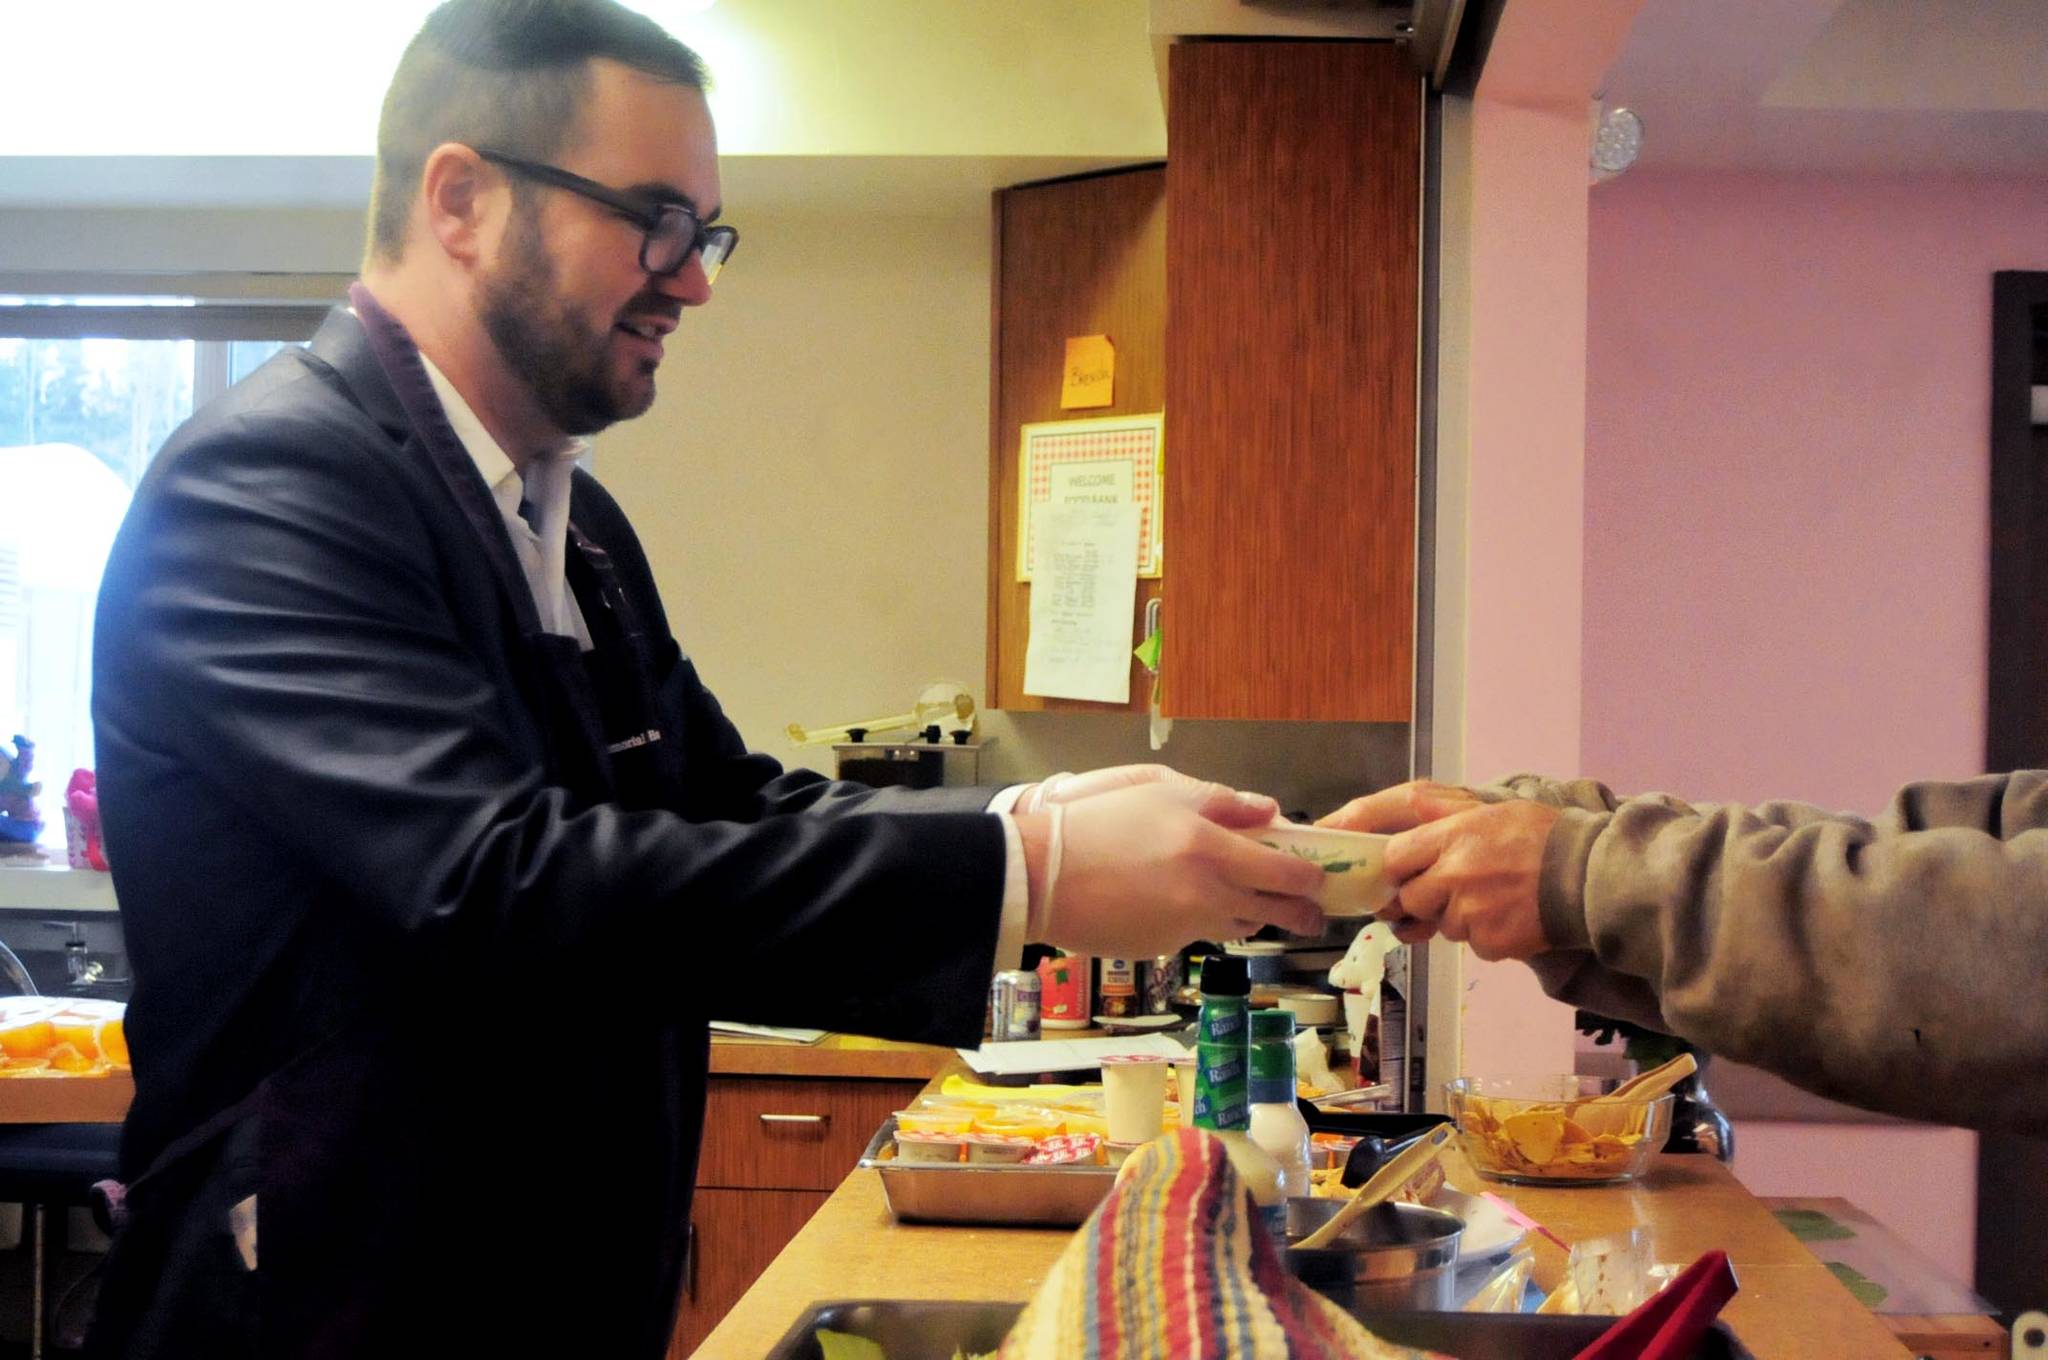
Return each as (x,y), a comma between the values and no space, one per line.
(1090,375)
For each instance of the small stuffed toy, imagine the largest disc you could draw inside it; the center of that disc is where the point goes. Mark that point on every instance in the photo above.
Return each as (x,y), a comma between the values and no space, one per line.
(1358,975)
(82,822)
(20,823)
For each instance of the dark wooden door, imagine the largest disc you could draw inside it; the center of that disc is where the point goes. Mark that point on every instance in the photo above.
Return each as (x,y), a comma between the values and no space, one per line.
(2012,1170)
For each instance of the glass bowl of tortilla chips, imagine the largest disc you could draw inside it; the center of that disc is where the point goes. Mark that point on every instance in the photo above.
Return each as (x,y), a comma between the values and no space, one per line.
(1556,1130)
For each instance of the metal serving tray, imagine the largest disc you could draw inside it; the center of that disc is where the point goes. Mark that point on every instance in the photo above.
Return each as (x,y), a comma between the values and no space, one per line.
(931,1331)
(959,1192)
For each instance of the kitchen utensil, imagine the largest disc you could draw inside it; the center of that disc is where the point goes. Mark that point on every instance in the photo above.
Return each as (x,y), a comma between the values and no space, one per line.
(1364,1098)
(1385,1182)
(1655,1082)
(1670,1324)
(1392,1257)
(1612,1113)
(1372,1152)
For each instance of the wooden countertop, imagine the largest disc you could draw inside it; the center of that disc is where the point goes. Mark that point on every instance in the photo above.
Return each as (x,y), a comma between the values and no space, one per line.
(1789,1306)
(835,1055)
(105,1099)
(66,1100)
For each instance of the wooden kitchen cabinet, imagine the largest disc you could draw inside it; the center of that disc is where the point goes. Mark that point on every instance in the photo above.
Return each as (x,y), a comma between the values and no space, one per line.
(774,1147)
(1262,288)
(1293,212)
(1080,256)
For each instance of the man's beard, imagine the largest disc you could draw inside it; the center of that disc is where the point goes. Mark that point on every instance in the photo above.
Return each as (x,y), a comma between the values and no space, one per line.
(561,360)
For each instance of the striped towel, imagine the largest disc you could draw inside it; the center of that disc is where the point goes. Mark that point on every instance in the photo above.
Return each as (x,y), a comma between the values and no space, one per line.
(1173,1266)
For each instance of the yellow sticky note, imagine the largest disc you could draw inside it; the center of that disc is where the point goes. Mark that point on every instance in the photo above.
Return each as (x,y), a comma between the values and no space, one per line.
(1090,375)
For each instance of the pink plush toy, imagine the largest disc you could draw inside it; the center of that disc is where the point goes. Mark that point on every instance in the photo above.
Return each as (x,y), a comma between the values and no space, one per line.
(82,822)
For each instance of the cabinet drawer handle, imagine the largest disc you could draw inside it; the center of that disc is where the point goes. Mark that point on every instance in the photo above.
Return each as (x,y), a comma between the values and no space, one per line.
(690,1262)
(794,1118)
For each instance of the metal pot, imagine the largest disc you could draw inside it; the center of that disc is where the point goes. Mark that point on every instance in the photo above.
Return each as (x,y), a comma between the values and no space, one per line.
(1395,1257)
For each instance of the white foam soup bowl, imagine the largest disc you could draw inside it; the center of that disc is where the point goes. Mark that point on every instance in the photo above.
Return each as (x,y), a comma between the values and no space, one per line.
(1353,864)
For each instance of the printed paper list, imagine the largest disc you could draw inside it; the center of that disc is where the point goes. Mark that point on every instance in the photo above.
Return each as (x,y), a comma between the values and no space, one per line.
(1083,591)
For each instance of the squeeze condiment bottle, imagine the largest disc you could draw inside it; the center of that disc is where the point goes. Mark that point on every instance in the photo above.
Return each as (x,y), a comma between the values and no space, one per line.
(1276,1122)
(1222,1089)
(1222,1086)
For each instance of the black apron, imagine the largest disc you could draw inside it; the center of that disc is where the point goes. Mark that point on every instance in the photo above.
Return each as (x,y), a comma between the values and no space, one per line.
(324,1142)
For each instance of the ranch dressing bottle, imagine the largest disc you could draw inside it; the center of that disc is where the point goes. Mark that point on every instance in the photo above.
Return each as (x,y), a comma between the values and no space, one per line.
(1276,1122)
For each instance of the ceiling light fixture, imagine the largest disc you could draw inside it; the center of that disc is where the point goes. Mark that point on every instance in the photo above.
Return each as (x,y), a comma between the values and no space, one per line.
(1617,141)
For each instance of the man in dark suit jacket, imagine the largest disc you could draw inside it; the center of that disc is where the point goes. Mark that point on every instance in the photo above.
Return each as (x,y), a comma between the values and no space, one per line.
(434,854)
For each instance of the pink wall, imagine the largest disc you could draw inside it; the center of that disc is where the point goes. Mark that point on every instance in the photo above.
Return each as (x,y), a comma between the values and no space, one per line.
(1917,1180)
(1787,435)
(1525,382)
(1527,440)
(1787,440)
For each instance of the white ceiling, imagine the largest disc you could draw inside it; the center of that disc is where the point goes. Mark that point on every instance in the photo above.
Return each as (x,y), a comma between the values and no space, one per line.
(894,105)
(924,105)
(1957,86)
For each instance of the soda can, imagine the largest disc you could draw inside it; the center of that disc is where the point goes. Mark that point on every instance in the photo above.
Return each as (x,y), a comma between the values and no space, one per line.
(1013,1006)
(1162,984)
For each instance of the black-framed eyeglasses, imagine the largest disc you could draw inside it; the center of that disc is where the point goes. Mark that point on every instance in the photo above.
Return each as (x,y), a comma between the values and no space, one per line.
(671,231)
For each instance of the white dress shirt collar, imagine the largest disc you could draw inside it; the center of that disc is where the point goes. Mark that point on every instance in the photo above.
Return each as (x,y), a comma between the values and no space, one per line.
(541,541)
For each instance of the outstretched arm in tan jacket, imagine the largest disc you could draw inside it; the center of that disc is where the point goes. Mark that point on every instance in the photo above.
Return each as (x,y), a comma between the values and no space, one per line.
(1899,963)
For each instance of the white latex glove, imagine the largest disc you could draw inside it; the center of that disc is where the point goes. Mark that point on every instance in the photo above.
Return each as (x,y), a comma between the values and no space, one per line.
(1068,787)
(1143,870)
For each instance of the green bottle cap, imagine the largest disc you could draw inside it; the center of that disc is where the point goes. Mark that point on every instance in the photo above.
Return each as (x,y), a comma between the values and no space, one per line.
(1273,1024)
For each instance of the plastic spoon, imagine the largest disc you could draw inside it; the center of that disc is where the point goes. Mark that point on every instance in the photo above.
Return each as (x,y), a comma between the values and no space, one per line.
(1621,1110)
(1647,1086)
(1385,1182)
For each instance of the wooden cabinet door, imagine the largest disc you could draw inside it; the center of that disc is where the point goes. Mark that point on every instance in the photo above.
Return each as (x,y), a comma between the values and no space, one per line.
(734,1235)
(1293,198)
(789,1133)
(1082,256)
(774,1149)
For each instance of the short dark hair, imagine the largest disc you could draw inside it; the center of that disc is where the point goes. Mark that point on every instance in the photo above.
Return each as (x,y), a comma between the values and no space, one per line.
(507,74)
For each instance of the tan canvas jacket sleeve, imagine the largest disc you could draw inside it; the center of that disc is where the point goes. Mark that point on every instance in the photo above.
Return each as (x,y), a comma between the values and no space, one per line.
(1899,963)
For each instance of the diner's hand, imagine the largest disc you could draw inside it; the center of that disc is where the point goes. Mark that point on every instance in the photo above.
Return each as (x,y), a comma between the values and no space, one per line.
(1401,807)
(1068,787)
(1143,870)
(1472,876)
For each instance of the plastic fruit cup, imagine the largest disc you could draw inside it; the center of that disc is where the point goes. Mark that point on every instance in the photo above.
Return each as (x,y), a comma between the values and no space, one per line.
(1134,1088)
(928,1147)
